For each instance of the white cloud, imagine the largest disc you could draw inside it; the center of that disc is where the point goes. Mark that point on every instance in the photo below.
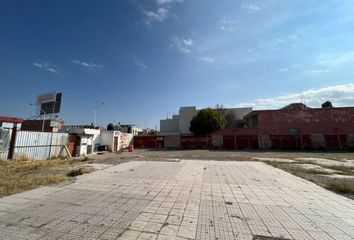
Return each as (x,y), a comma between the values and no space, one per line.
(141,64)
(207,59)
(187,42)
(162,11)
(288,68)
(289,41)
(317,71)
(336,60)
(161,2)
(155,16)
(45,66)
(228,24)
(251,7)
(89,65)
(339,95)
(182,44)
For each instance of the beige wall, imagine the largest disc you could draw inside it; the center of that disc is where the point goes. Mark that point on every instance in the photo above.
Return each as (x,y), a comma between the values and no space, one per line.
(181,123)
(170,125)
(185,117)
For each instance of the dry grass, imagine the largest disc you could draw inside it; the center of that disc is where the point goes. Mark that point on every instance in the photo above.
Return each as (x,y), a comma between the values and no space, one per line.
(344,170)
(79,171)
(24,174)
(289,167)
(321,177)
(341,187)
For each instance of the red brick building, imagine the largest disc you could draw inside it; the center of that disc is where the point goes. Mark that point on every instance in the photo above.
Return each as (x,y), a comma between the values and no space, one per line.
(295,126)
(298,126)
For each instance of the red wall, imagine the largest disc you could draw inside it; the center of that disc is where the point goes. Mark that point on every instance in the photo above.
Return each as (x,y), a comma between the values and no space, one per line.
(307,121)
(291,142)
(196,142)
(148,142)
(240,142)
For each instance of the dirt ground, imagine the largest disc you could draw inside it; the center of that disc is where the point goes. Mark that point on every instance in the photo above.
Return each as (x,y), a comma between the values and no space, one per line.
(156,154)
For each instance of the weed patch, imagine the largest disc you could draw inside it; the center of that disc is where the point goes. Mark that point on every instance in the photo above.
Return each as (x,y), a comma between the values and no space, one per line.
(24,174)
(341,187)
(344,170)
(78,171)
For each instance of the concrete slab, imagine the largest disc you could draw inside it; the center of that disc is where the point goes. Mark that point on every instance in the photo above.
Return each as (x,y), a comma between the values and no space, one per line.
(180,200)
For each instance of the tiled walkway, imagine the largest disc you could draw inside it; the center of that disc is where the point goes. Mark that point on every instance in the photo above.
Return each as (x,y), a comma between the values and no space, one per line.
(180,200)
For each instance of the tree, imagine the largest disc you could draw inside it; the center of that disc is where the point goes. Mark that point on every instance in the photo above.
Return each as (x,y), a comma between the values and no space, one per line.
(327,104)
(206,121)
(230,118)
(152,132)
(110,127)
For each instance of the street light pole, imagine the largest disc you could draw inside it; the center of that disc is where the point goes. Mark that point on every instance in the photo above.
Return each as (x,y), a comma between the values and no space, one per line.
(43,119)
(98,106)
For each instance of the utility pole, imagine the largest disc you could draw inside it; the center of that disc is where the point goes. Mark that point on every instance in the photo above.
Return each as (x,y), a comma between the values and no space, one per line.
(43,119)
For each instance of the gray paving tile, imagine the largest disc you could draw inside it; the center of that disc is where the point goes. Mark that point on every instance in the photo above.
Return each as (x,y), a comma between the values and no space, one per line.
(191,199)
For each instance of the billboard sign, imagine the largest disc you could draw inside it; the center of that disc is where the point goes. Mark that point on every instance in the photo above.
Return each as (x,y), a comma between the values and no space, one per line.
(46,97)
(49,103)
(56,123)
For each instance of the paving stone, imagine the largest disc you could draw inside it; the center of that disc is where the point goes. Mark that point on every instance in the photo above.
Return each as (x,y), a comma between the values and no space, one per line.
(129,235)
(153,227)
(147,236)
(164,237)
(190,199)
(169,230)
(138,225)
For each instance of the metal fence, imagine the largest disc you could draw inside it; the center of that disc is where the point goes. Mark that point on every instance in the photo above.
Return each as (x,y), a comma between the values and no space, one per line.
(37,145)
(5,136)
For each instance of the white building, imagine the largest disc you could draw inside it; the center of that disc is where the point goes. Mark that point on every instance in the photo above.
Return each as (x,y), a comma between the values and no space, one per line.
(89,140)
(86,141)
(179,124)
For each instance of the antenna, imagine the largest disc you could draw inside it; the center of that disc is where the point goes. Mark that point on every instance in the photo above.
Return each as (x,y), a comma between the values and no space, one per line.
(303,98)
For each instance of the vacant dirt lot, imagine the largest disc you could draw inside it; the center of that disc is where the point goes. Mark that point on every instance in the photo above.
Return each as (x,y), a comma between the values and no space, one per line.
(227,155)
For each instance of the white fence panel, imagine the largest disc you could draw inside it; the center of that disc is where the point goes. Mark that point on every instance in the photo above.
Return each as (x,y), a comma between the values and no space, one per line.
(5,137)
(39,145)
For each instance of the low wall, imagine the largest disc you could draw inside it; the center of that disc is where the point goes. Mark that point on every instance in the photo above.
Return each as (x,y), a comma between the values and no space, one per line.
(172,141)
(126,139)
(148,141)
(196,142)
(249,139)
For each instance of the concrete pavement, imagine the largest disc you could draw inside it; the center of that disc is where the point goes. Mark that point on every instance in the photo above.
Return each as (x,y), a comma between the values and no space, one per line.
(190,199)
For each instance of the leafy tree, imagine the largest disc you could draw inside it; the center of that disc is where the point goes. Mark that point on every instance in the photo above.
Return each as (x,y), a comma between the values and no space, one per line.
(230,118)
(152,132)
(206,121)
(327,104)
(110,127)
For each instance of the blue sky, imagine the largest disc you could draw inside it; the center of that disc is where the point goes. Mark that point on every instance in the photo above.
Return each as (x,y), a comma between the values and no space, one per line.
(146,58)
